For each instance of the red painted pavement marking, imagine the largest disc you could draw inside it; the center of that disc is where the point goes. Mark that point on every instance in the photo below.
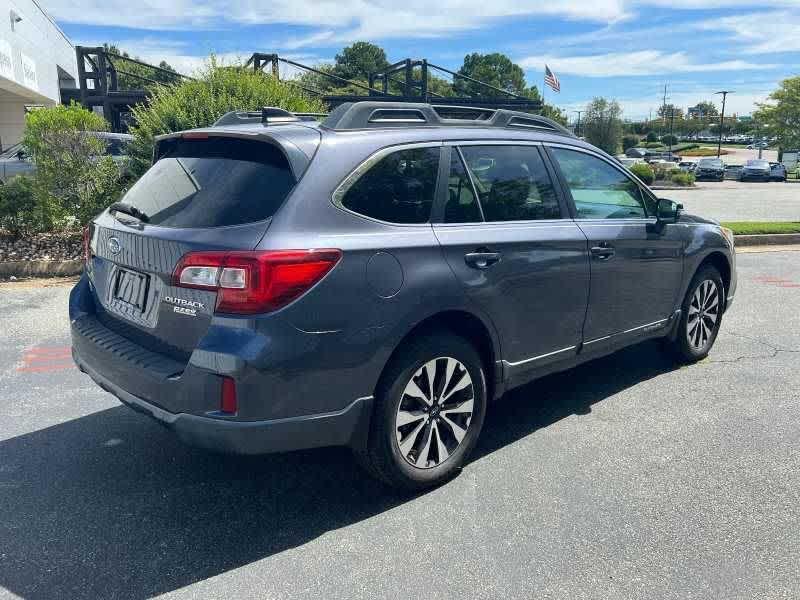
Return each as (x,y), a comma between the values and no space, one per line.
(43,359)
(776,281)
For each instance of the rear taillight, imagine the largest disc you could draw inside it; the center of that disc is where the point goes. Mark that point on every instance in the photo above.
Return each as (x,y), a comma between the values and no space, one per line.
(255,282)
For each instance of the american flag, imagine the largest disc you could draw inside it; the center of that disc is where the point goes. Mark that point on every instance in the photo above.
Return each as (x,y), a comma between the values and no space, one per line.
(551,80)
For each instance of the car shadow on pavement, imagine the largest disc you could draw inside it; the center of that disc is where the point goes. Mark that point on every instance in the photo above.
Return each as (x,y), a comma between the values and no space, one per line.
(111,505)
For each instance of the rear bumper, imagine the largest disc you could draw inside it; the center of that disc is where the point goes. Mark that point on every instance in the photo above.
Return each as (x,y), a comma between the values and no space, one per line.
(276,412)
(343,428)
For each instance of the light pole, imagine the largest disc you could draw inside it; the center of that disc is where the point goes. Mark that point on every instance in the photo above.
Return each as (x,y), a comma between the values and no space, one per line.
(722,119)
(578,124)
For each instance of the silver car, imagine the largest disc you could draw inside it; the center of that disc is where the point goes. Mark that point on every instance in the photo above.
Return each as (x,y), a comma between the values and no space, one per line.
(17,161)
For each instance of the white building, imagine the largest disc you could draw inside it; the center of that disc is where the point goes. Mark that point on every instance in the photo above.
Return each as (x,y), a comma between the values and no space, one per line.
(36,61)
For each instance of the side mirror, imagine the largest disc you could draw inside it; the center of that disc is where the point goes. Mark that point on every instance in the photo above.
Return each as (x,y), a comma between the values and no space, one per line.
(668,211)
(21,155)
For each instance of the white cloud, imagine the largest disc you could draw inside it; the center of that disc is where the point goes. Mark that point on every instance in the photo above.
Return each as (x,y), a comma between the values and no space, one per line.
(153,51)
(640,63)
(761,33)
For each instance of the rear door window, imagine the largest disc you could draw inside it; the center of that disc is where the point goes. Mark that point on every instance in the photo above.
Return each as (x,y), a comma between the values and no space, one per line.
(213,182)
(512,183)
(398,188)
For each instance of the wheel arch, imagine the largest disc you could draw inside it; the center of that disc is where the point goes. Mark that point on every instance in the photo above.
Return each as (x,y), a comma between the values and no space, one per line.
(720,262)
(467,325)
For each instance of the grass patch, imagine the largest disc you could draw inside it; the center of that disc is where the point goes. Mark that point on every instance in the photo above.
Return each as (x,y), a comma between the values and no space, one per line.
(704,151)
(756,227)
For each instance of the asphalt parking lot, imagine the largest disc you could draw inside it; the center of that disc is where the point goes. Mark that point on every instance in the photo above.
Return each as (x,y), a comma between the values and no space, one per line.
(624,478)
(740,201)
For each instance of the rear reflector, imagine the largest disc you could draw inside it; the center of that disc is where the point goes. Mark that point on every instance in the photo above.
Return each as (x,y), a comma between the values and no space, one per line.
(228,402)
(255,282)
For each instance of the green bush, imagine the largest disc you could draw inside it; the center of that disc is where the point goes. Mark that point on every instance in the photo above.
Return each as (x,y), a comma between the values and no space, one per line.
(669,140)
(18,210)
(73,180)
(199,103)
(652,137)
(644,172)
(630,141)
(682,178)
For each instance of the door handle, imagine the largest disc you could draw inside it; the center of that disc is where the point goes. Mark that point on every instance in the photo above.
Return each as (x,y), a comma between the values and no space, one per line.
(603,252)
(481,260)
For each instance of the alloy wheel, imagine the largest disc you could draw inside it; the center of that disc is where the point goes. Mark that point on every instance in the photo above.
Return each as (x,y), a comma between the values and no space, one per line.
(435,412)
(704,311)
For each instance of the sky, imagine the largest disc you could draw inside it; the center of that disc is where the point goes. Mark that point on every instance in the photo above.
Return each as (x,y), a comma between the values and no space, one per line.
(621,49)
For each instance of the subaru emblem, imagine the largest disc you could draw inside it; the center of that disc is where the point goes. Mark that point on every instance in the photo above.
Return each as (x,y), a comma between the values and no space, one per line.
(113,245)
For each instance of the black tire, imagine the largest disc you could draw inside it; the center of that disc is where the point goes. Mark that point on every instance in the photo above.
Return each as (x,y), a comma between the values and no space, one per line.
(687,345)
(382,456)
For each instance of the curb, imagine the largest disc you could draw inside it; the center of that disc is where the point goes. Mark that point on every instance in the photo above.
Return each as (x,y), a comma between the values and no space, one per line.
(40,268)
(767,239)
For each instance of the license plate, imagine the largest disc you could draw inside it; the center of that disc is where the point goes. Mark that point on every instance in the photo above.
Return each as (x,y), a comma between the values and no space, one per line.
(131,288)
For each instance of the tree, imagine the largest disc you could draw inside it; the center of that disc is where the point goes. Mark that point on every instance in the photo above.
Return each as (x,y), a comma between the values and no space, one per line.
(495,69)
(652,136)
(74,177)
(707,109)
(781,113)
(359,60)
(666,110)
(200,102)
(630,141)
(602,124)
(132,78)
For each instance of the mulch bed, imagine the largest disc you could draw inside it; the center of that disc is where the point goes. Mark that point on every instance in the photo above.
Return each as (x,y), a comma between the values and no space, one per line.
(41,246)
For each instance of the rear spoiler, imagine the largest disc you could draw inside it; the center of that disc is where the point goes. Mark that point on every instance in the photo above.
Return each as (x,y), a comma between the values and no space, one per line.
(299,145)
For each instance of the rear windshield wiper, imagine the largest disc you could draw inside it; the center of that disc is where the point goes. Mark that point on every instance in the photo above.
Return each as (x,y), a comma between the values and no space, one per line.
(128,210)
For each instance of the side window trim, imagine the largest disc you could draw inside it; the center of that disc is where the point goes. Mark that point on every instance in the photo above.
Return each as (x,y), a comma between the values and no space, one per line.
(365,165)
(568,193)
(468,171)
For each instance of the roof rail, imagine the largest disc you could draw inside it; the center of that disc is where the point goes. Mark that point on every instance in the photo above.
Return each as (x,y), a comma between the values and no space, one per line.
(381,115)
(267,115)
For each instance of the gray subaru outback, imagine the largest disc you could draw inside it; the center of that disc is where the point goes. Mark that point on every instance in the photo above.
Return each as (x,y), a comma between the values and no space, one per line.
(375,280)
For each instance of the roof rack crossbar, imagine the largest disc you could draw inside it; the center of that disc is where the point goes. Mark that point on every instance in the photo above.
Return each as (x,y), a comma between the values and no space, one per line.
(267,115)
(372,115)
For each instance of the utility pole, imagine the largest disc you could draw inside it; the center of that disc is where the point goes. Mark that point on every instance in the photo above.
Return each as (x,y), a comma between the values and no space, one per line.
(578,125)
(721,119)
(671,124)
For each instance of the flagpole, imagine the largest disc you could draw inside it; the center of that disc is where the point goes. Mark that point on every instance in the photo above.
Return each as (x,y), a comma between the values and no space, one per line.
(544,84)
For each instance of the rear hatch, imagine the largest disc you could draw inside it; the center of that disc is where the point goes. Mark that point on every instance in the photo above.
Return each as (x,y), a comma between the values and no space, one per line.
(202,194)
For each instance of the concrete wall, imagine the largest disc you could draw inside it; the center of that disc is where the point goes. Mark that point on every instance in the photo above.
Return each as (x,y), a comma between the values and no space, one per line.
(36,59)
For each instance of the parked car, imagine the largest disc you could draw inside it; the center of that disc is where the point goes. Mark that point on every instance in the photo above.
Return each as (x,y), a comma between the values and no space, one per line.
(755,170)
(757,145)
(733,171)
(777,171)
(375,280)
(636,152)
(629,162)
(710,168)
(665,156)
(686,165)
(17,161)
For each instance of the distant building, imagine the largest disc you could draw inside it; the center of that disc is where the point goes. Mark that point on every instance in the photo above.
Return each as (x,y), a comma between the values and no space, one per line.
(36,61)
(695,112)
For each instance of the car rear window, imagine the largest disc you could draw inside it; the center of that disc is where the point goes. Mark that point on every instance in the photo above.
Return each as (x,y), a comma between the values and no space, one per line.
(212,182)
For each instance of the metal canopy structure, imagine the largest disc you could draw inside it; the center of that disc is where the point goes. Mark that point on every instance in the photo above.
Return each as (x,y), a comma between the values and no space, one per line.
(98,83)
(405,81)
(409,76)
